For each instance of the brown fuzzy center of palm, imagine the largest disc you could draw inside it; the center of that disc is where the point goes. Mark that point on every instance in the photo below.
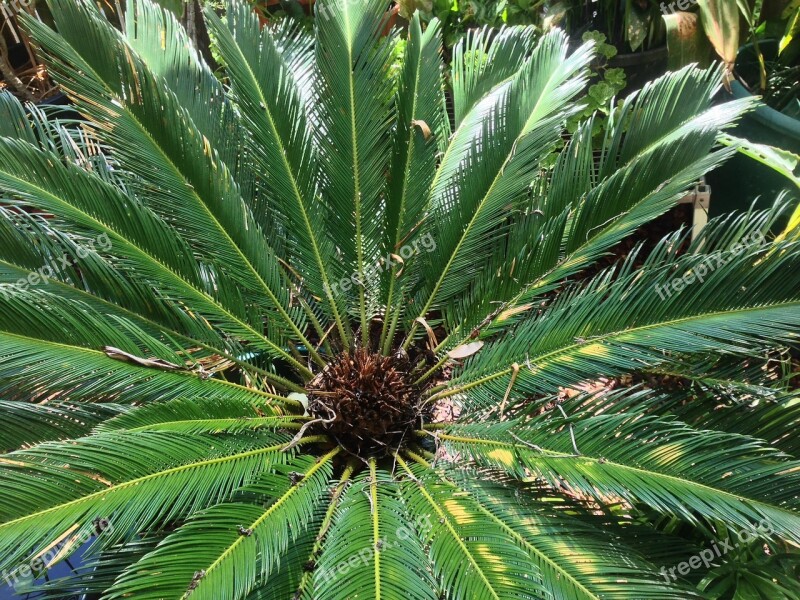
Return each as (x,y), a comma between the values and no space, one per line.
(367,402)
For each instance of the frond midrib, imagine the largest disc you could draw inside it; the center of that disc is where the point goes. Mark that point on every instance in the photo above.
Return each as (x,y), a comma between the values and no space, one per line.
(481,203)
(454,534)
(376,534)
(296,192)
(387,332)
(640,471)
(362,300)
(276,419)
(174,168)
(609,335)
(272,508)
(344,479)
(554,565)
(165,473)
(147,257)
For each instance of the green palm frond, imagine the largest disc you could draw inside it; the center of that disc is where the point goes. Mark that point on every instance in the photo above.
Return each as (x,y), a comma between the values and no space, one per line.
(422,129)
(622,322)
(576,559)
(156,36)
(353,134)
(734,477)
(488,169)
(286,580)
(178,175)
(178,473)
(492,563)
(588,204)
(241,542)
(722,404)
(374,541)
(95,208)
(483,59)
(43,369)
(235,306)
(773,420)
(28,423)
(217,415)
(267,92)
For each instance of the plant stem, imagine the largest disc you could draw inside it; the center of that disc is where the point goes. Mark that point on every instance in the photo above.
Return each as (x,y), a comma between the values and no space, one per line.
(8,72)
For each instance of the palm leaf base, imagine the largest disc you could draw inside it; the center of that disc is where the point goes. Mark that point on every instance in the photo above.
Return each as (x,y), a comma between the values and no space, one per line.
(368,402)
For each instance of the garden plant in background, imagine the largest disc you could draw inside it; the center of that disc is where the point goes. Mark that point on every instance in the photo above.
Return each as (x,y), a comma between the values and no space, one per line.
(723,28)
(458,16)
(312,265)
(605,84)
(630,25)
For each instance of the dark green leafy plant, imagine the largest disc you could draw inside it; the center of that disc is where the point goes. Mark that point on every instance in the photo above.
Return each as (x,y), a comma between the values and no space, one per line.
(459,16)
(756,39)
(231,314)
(630,25)
(606,83)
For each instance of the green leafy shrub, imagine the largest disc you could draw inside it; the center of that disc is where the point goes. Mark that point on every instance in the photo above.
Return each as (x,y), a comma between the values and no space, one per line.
(630,25)
(233,314)
(459,16)
(605,84)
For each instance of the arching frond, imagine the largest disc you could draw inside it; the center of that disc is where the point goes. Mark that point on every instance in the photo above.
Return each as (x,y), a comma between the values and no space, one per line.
(672,468)
(483,560)
(171,475)
(613,324)
(239,542)
(373,549)
(577,561)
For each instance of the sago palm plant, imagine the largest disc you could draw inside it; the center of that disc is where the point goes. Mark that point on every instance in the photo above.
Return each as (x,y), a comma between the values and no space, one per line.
(235,308)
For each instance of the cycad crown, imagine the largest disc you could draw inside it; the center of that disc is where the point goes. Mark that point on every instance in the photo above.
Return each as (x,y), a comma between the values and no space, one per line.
(232,307)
